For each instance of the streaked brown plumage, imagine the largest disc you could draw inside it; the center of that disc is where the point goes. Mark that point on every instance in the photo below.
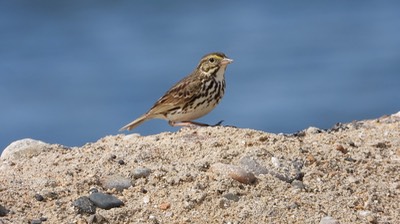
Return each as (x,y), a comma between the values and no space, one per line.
(192,97)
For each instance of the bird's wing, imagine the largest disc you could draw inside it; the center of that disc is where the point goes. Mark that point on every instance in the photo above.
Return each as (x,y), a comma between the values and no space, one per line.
(175,98)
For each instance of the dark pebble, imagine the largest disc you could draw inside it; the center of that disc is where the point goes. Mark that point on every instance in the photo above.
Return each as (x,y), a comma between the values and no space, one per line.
(121,162)
(84,205)
(382,145)
(141,172)
(349,159)
(231,197)
(36,221)
(143,190)
(299,176)
(39,197)
(3,211)
(105,201)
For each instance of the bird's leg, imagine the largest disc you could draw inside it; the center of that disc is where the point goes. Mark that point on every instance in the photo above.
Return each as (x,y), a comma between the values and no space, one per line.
(192,123)
(187,123)
(218,124)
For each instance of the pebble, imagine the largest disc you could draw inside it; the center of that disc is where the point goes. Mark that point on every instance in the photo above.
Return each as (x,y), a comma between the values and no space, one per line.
(165,206)
(231,197)
(36,221)
(341,149)
(84,205)
(364,213)
(146,199)
(3,211)
(252,165)
(298,184)
(275,162)
(294,205)
(313,131)
(93,190)
(24,148)
(105,201)
(328,220)
(310,159)
(224,203)
(117,182)
(234,172)
(141,172)
(39,197)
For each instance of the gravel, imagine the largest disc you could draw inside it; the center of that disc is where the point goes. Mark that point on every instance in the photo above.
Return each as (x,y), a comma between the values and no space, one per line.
(346,174)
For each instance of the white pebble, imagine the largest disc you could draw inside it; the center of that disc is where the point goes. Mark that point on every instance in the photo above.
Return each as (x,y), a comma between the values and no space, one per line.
(276,162)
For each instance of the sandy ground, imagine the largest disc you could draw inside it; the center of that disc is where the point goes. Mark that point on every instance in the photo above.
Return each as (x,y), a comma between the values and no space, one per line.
(347,174)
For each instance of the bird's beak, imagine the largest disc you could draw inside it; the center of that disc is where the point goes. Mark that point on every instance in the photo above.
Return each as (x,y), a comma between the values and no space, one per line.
(226,61)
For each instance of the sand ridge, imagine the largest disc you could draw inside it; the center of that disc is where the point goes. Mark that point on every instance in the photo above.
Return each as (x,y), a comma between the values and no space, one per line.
(348,174)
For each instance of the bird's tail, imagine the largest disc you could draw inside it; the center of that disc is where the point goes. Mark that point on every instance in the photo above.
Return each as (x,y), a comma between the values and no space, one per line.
(135,123)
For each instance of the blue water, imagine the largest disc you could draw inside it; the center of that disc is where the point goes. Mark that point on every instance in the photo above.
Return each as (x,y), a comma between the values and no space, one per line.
(75,71)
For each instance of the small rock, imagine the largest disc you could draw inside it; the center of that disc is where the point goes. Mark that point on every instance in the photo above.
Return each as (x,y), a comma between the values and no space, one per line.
(141,172)
(382,145)
(3,211)
(165,206)
(143,190)
(341,149)
(298,184)
(328,220)
(36,221)
(93,190)
(105,201)
(349,159)
(276,162)
(364,213)
(312,131)
(231,197)
(368,215)
(252,165)
(153,219)
(121,162)
(84,205)
(234,172)
(224,203)
(116,181)
(24,148)
(310,159)
(39,197)
(146,199)
(294,205)
(50,195)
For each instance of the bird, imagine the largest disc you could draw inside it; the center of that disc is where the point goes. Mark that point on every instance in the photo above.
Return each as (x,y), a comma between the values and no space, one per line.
(192,97)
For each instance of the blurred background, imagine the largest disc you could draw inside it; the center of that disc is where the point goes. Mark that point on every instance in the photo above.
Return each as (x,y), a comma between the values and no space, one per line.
(75,71)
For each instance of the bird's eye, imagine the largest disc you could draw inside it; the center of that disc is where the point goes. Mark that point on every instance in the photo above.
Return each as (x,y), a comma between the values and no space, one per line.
(211,60)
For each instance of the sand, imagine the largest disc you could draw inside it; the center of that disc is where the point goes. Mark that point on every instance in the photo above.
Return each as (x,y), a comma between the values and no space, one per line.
(347,174)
